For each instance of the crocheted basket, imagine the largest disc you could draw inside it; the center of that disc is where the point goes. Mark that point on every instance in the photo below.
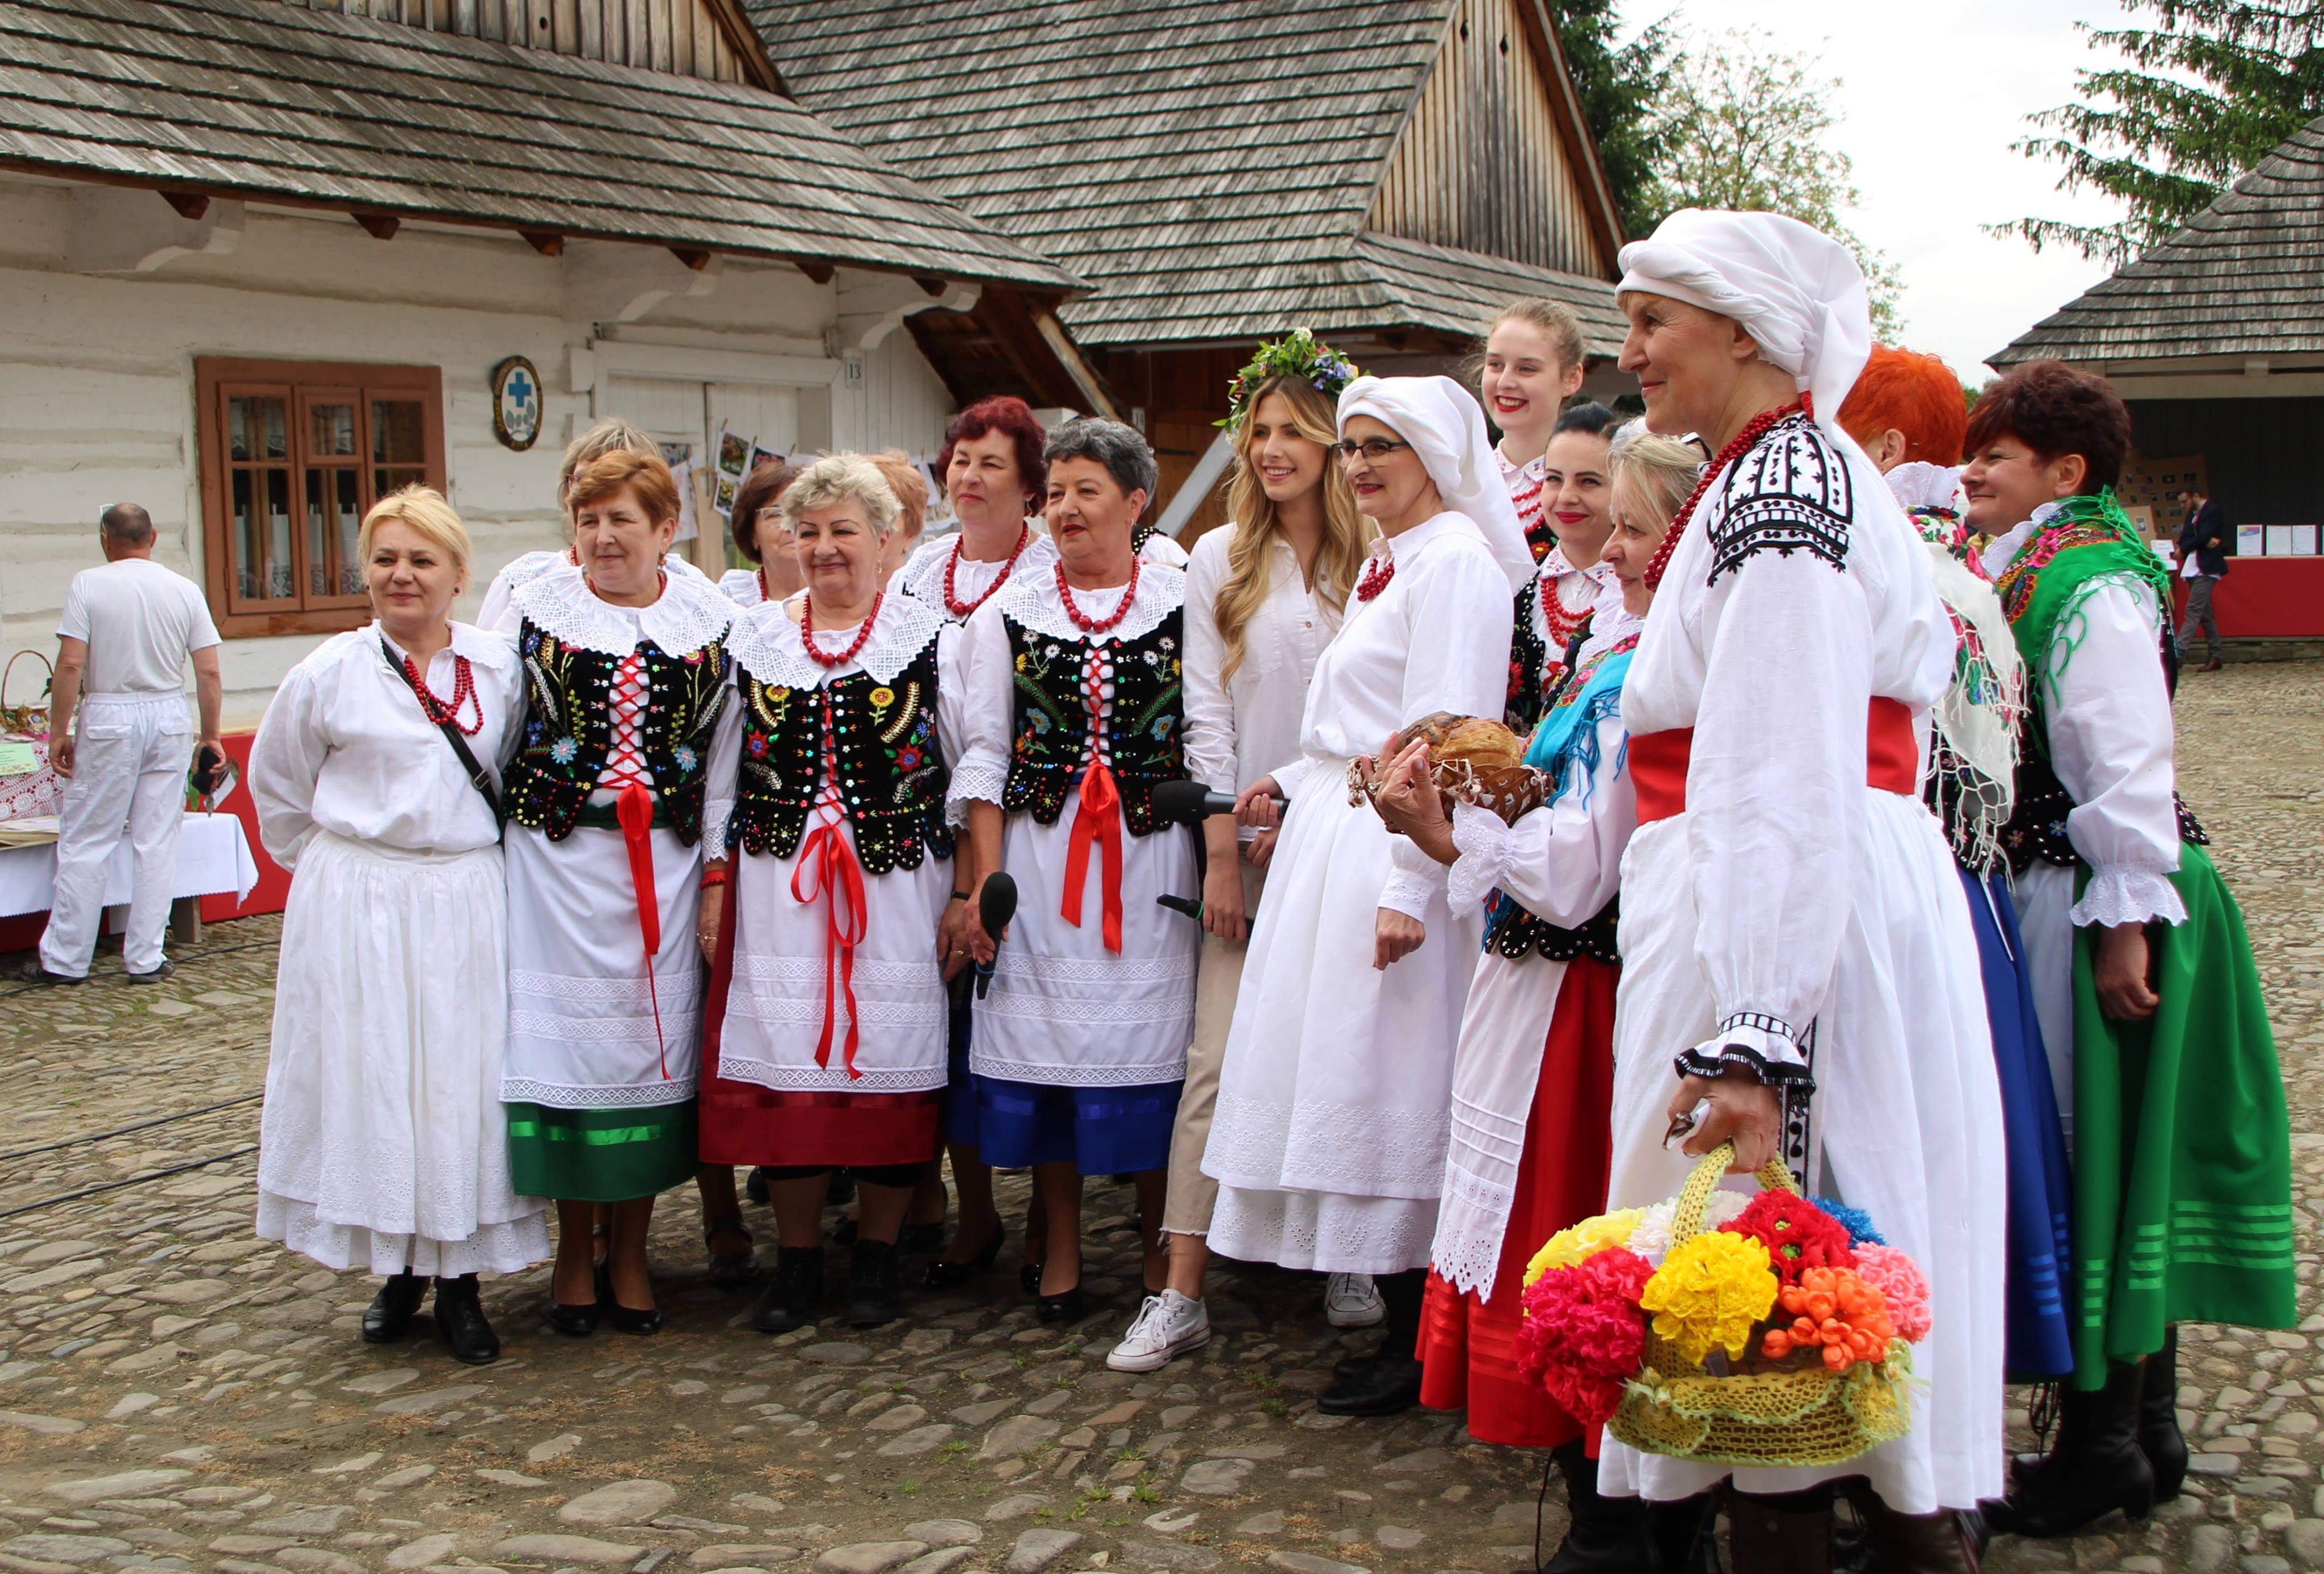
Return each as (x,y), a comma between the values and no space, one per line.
(1811,1416)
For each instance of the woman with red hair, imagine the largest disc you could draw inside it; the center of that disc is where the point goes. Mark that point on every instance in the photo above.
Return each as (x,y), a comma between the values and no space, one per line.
(1908,412)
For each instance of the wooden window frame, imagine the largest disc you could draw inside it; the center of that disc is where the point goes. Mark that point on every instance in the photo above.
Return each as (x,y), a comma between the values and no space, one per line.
(300,385)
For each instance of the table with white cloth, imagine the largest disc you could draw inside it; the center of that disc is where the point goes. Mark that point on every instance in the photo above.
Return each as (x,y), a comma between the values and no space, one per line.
(214,858)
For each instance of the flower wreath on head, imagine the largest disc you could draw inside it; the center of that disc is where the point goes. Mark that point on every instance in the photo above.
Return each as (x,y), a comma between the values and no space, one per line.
(1298,353)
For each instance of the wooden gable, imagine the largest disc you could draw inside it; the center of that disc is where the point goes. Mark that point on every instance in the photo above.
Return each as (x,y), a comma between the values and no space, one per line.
(1493,157)
(710,39)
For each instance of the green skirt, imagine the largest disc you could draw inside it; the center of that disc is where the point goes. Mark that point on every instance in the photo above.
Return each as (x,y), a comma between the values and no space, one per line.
(2183,1148)
(600,1156)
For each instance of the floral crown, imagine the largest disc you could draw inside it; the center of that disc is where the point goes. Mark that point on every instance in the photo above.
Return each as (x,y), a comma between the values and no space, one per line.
(1296,354)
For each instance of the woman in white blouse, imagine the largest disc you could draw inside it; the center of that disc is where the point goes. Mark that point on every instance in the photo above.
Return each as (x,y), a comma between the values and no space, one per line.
(1329,1138)
(381,1143)
(1264,596)
(760,536)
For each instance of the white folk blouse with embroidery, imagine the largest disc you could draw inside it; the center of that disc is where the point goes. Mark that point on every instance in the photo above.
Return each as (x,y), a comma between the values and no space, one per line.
(493,611)
(1239,729)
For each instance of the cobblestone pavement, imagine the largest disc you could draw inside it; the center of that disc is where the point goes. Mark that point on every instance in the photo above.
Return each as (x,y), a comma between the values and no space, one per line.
(175,1393)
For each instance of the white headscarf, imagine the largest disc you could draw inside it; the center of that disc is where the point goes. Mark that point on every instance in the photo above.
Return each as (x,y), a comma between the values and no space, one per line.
(1795,290)
(1446,427)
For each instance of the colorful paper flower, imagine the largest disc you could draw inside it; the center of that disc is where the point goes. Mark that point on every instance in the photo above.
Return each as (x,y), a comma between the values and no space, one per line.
(1855,1220)
(1582,1332)
(1569,1245)
(1836,1312)
(1709,1292)
(1797,1234)
(1652,1238)
(1899,1280)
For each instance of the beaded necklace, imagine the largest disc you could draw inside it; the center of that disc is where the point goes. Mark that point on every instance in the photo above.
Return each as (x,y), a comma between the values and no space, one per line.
(961,609)
(1082,620)
(464,694)
(862,635)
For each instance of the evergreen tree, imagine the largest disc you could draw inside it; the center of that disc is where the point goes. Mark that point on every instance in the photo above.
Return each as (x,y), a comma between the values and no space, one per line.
(1618,85)
(2201,97)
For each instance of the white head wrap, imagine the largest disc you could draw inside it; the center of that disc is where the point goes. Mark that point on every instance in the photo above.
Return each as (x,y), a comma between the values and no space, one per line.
(1446,427)
(1796,291)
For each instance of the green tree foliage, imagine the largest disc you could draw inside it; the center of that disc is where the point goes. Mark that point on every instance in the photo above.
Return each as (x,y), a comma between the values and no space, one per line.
(1742,126)
(1618,85)
(2201,97)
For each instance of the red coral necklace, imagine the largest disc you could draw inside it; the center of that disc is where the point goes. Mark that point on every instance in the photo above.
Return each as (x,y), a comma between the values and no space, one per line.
(961,609)
(1756,427)
(855,646)
(1082,620)
(464,694)
(1379,569)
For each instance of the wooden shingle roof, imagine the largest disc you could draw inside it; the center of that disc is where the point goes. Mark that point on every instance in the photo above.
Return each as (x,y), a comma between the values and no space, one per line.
(255,99)
(1208,165)
(2245,277)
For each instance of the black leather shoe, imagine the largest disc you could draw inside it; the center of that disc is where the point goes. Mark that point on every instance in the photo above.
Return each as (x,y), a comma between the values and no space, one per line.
(875,1289)
(790,1299)
(628,1320)
(1065,1307)
(844,1232)
(2159,1437)
(756,1186)
(1390,1386)
(389,1316)
(2096,1467)
(1607,1535)
(460,1322)
(572,1322)
(921,1238)
(947,1274)
(1349,1367)
(730,1270)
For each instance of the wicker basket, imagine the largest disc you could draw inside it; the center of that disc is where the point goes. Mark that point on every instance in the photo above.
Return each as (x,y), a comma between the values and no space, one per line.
(1810,1416)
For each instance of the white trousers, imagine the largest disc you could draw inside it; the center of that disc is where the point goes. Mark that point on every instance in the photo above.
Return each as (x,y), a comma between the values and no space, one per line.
(130,756)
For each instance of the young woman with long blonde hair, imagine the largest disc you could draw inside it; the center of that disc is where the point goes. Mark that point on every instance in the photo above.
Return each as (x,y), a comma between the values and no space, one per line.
(1264,595)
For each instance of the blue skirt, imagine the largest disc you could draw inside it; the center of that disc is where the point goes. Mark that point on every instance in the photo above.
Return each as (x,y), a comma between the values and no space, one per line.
(1100,1131)
(2039,1342)
(960,1093)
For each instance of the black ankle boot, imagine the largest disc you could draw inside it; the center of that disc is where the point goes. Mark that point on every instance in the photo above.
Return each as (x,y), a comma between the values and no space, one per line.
(2096,1467)
(1607,1535)
(2159,1437)
(875,1284)
(790,1300)
(1790,1533)
(1390,1382)
(389,1316)
(460,1322)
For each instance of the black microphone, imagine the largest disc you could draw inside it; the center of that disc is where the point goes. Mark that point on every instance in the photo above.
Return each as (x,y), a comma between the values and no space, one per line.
(1190,906)
(1190,803)
(996,903)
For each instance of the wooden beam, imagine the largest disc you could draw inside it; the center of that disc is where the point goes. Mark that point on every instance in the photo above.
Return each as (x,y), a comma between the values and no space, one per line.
(189,204)
(1084,377)
(821,273)
(548,242)
(379,226)
(931,285)
(694,257)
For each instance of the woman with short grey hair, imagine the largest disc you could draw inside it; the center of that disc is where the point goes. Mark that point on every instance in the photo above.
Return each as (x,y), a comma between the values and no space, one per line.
(826,817)
(1072,706)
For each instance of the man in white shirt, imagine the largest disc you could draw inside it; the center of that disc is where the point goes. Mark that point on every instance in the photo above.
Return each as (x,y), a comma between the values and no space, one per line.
(122,642)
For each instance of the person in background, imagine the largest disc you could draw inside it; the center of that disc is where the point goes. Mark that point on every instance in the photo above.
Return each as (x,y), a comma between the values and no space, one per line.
(1264,595)
(911,490)
(2203,559)
(1531,365)
(760,535)
(609,436)
(122,642)
(1555,609)
(381,1145)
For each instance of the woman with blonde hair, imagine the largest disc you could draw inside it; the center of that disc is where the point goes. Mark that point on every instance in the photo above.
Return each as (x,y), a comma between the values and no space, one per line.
(1264,596)
(380,1143)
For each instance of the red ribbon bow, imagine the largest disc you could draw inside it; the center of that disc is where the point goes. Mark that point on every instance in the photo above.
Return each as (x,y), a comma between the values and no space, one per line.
(634,810)
(828,857)
(1099,819)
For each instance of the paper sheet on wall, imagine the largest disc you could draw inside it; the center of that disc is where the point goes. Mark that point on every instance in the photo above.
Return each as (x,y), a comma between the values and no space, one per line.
(689,523)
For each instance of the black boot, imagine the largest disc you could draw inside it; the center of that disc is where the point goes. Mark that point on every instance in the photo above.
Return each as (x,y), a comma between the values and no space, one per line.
(1388,1384)
(875,1288)
(460,1322)
(1607,1535)
(1685,1531)
(389,1316)
(789,1301)
(1785,1534)
(2096,1467)
(2159,1437)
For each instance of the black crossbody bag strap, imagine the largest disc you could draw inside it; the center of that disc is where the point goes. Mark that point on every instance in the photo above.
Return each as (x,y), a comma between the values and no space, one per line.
(477,777)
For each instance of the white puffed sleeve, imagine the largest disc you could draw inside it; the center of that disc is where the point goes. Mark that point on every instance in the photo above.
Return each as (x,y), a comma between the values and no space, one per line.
(2108,712)
(1561,862)
(1458,661)
(286,758)
(1210,710)
(988,702)
(951,712)
(723,779)
(1773,795)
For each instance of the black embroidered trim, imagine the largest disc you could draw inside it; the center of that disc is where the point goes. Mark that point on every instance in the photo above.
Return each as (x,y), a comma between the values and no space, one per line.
(1773,1073)
(567,732)
(1790,494)
(1759,1021)
(1513,932)
(1799,1112)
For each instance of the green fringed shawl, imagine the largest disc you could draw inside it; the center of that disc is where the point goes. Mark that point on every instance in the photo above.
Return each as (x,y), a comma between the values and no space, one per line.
(2088,543)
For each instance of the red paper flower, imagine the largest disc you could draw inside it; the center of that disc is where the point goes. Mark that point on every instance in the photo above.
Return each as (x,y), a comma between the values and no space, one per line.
(1583,1332)
(1798,1234)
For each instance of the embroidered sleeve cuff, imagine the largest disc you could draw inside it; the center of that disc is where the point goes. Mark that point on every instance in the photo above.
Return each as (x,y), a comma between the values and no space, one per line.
(1484,843)
(973,781)
(2128,895)
(1754,1043)
(1407,891)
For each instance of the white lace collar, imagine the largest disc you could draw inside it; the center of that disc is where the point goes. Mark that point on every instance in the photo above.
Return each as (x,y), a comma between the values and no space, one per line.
(1034,604)
(923,576)
(769,646)
(688,614)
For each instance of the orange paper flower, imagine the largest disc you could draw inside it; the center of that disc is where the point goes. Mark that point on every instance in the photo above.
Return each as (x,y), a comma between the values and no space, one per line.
(1834,1310)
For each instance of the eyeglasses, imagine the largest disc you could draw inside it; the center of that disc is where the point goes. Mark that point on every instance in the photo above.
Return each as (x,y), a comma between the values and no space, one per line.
(1374,448)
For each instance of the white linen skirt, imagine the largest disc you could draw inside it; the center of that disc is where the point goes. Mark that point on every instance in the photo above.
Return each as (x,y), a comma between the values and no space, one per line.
(1906,1122)
(382,1143)
(1328,1141)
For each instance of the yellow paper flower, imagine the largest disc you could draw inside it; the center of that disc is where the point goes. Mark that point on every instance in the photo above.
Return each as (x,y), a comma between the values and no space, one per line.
(1568,1247)
(1709,1292)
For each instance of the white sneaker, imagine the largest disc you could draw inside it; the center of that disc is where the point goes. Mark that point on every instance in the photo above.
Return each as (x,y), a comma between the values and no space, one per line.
(1167,1325)
(1351,1302)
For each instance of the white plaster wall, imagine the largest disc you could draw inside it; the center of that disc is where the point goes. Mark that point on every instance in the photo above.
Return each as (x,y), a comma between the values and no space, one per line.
(97,385)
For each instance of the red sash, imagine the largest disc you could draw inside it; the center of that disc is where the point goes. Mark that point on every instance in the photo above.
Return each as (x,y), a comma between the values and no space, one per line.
(1099,820)
(836,877)
(633,810)
(1659,760)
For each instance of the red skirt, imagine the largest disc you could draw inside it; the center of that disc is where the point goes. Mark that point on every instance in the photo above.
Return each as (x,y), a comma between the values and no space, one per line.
(743,1123)
(1470,1346)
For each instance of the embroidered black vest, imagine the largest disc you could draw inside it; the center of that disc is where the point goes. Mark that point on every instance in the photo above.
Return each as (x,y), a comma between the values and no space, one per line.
(568,730)
(1145,718)
(1514,931)
(1523,707)
(891,772)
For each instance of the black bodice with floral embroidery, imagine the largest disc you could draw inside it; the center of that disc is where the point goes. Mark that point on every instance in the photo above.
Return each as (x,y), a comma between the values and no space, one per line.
(1529,659)
(1145,719)
(568,729)
(891,773)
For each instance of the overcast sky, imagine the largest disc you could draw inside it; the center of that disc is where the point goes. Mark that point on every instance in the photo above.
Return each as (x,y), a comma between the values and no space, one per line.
(1932,97)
